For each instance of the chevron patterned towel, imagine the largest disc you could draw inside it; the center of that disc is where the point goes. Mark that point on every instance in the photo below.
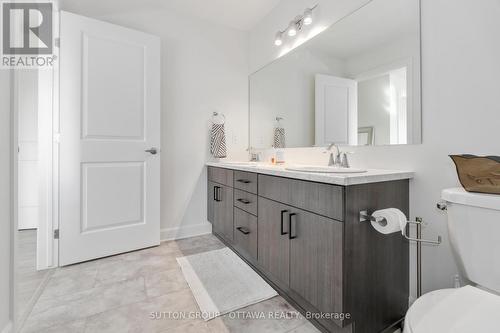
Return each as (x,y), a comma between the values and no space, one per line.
(218,141)
(279,137)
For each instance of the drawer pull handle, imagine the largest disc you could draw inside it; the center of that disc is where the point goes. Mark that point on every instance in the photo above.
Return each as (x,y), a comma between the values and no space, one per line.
(244,181)
(283,212)
(244,201)
(290,226)
(243,230)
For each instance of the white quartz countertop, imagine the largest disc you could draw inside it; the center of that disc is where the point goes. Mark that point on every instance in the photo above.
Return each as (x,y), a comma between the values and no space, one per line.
(371,176)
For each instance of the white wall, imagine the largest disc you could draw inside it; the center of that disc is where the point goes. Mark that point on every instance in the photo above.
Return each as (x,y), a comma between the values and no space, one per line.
(5,201)
(204,68)
(460,107)
(373,99)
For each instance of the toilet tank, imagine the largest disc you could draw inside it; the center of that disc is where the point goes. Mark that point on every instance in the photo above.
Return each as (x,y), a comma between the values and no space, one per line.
(474,230)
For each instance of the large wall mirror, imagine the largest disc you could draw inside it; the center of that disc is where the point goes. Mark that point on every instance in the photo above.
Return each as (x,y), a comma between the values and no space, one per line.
(357,83)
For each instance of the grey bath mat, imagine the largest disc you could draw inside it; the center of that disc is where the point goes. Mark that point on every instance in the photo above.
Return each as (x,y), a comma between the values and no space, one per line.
(221,282)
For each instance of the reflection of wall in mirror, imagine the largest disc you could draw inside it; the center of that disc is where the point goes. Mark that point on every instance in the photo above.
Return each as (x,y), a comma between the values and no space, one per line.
(286,89)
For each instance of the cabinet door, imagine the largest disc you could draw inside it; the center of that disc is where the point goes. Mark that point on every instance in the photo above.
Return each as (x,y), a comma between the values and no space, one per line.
(273,242)
(223,211)
(316,260)
(220,209)
(211,197)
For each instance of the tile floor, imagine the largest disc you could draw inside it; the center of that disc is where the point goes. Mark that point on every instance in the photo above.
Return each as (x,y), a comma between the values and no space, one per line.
(123,293)
(28,279)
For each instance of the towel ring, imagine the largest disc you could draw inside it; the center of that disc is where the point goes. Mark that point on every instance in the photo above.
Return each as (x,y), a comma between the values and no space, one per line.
(216,114)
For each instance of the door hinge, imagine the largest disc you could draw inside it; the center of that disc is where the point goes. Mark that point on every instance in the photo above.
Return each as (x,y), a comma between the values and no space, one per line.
(57,42)
(56,234)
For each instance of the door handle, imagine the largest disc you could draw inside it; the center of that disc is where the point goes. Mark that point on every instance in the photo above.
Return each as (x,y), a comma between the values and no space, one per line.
(244,201)
(283,212)
(290,226)
(243,230)
(244,181)
(152,151)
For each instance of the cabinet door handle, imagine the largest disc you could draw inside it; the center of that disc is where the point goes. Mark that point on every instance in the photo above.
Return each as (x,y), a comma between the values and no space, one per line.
(283,212)
(217,193)
(244,181)
(244,201)
(290,226)
(243,230)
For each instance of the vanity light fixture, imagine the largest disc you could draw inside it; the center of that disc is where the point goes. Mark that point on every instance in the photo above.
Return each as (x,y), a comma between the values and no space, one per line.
(292,28)
(295,25)
(308,16)
(279,38)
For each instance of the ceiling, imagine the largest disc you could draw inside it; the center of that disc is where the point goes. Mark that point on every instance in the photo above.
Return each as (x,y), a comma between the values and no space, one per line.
(241,15)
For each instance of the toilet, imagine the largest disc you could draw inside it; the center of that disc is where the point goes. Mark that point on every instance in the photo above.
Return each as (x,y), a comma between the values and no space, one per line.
(474,232)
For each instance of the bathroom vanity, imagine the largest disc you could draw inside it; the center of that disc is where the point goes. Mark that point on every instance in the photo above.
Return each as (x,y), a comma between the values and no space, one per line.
(302,233)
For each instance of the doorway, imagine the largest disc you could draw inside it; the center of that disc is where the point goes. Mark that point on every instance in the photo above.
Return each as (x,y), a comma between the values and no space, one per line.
(30,272)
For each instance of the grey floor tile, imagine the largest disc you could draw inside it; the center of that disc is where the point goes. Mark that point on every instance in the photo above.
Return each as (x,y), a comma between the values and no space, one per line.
(158,284)
(307,327)
(155,315)
(133,266)
(145,291)
(51,311)
(274,315)
(73,327)
(213,326)
(28,279)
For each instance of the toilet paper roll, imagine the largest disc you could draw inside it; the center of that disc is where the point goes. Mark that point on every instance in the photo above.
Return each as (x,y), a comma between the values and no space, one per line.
(396,221)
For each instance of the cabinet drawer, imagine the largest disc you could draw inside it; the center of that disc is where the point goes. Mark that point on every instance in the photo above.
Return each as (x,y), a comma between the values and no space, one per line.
(245,181)
(323,199)
(221,176)
(245,201)
(245,233)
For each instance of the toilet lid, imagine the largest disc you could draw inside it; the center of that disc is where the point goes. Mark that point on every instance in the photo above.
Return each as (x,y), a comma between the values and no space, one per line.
(463,310)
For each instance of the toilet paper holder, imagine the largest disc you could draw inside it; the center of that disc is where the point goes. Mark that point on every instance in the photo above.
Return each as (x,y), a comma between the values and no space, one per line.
(365,217)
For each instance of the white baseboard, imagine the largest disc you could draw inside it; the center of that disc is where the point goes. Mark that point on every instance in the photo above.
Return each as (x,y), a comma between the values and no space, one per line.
(7,328)
(169,234)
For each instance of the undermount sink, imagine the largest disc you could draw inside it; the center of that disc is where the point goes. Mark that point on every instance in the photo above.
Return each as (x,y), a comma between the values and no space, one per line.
(236,163)
(324,169)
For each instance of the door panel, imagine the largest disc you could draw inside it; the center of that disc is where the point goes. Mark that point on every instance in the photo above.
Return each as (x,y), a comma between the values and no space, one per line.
(316,260)
(273,247)
(223,212)
(336,110)
(110,114)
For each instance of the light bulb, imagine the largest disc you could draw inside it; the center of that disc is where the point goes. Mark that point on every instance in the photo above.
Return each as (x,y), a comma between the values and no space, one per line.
(292,29)
(308,19)
(279,39)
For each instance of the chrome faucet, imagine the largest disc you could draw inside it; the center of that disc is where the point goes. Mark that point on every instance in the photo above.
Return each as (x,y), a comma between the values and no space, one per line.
(335,160)
(338,160)
(254,156)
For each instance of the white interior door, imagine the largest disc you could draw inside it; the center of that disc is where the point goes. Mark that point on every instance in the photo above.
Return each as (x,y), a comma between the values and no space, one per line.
(110,116)
(336,110)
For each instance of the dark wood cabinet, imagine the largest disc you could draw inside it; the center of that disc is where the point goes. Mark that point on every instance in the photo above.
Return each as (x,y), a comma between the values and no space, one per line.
(302,251)
(220,209)
(316,251)
(306,239)
(274,245)
(245,234)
